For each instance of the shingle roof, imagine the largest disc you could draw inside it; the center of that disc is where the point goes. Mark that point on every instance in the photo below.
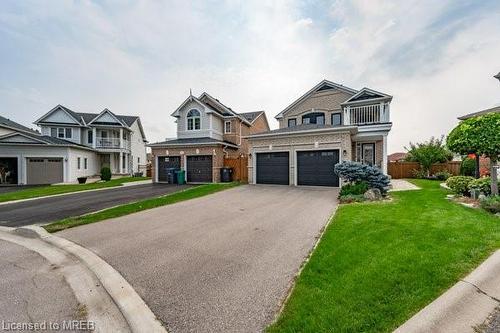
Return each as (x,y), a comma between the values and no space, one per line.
(191,141)
(12,124)
(480,113)
(251,116)
(303,127)
(88,117)
(49,140)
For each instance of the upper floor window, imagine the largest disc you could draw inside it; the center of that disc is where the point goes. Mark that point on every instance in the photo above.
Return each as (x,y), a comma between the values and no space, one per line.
(90,136)
(314,118)
(193,120)
(61,132)
(337,119)
(227,127)
(292,122)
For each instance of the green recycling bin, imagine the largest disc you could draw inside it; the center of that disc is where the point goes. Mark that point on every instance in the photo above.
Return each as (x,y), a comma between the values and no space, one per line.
(181,177)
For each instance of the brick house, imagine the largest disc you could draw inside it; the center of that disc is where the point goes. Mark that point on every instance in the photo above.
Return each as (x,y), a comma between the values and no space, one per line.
(328,124)
(208,132)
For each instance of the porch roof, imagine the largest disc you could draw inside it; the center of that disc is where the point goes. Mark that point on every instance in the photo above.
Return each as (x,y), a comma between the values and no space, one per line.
(192,142)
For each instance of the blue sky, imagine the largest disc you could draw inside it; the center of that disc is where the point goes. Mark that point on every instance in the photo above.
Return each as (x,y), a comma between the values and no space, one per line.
(436,58)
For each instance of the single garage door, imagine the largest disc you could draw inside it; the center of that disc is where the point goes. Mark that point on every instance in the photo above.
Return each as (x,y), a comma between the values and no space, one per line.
(167,162)
(273,168)
(44,170)
(315,168)
(199,169)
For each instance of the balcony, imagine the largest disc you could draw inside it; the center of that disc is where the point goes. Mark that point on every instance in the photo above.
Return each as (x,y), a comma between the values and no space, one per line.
(367,114)
(112,143)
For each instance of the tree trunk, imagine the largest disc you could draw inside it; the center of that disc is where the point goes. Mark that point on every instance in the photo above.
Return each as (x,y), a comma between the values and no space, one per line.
(494,178)
(478,174)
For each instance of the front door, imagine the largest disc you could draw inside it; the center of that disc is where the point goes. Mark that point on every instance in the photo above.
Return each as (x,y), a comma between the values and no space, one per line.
(368,153)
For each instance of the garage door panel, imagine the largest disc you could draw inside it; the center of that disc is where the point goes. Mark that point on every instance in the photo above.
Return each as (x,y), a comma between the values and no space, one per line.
(315,168)
(199,169)
(273,168)
(166,162)
(42,170)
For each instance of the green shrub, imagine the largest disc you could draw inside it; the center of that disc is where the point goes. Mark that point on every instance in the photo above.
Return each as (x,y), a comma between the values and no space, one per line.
(106,174)
(354,188)
(419,173)
(481,185)
(459,184)
(350,198)
(442,175)
(353,172)
(468,167)
(491,204)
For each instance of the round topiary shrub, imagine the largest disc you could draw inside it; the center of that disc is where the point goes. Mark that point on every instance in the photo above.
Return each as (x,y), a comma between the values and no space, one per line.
(459,184)
(105,174)
(481,185)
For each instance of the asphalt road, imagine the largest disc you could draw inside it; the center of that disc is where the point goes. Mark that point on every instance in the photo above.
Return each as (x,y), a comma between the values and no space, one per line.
(32,290)
(46,210)
(220,263)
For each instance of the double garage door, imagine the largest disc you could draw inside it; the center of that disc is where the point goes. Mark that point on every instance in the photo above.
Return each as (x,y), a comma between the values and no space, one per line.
(198,169)
(42,170)
(314,168)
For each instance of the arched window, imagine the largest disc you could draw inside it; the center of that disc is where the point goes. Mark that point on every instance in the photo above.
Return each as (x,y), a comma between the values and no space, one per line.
(193,120)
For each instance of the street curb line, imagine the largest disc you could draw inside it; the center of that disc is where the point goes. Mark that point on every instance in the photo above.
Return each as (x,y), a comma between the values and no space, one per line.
(462,307)
(138,315)
(68,193)
(85,286)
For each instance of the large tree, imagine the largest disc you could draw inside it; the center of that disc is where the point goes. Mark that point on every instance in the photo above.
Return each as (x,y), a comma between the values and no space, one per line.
(429,152)
(479,135)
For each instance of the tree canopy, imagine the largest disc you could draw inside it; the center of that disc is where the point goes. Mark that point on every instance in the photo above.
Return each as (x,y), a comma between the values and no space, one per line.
(429,152)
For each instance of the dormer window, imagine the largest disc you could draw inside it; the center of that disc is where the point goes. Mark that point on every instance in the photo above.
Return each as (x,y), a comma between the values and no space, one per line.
(193,120)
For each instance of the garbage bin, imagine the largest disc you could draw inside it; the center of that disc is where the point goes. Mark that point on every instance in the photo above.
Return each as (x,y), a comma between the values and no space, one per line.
(180,175)
(226,175)
(171,179)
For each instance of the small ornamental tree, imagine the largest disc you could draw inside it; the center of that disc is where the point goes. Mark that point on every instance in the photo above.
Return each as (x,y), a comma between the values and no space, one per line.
(479,135)
(355,172)
(429,152)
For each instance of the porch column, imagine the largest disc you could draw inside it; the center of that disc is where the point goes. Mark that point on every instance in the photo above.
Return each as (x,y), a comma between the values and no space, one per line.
(384,154)
(127,161)
(120,163)
(121,137)
(94,137)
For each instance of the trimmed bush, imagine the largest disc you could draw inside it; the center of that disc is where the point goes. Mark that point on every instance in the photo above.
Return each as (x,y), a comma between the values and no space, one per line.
(468,167)
(491,204)
(355,172)
(106,174)
(481,185)
(354,188)
(459,184)
(442,175)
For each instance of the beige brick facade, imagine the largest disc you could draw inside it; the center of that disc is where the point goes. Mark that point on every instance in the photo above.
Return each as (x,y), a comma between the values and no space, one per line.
(294,143)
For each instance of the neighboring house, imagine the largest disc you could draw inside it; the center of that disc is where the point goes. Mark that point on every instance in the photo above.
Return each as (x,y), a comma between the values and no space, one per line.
(73,145)
(207,132)
(397,157)
(328,124)
(480,113)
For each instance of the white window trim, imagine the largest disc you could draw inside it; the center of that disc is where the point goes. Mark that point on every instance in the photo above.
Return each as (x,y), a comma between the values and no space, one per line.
(194,121)
(230,127)
(78,163)
(58,129)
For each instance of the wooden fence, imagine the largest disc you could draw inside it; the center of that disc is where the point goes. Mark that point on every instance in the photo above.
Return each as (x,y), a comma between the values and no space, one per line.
(240,168)
(407,169)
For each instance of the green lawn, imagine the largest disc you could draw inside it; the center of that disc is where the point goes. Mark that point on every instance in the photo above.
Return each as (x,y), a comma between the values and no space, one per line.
(190,193)
(41,191)
(379,263)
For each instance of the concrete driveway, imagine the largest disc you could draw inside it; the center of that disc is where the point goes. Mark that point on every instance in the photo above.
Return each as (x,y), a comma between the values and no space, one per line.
(221,263)
(51,209)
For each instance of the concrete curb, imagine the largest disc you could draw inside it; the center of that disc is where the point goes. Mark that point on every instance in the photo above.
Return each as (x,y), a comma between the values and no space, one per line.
(138,315)
(141,182)
(88,291)
(464,306)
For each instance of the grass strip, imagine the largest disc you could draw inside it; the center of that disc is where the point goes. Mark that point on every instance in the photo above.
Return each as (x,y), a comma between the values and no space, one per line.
(378,264)
(134,207)
(42,191)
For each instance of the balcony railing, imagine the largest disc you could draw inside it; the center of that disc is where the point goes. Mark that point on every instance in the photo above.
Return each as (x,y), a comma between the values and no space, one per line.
(111,143)
(367,114)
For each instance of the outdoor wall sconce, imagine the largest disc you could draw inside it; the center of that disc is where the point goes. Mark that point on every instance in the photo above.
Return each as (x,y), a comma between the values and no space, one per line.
(344,153)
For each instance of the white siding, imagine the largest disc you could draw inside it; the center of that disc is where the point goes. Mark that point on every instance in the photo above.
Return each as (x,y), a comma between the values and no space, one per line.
(76,132)
(60,116)
(4,131)
(206,123)
(137,147)
(106,118)
(92,164)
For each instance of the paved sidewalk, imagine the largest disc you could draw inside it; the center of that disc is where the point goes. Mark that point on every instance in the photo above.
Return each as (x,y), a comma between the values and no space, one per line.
(402,185)
(464,307)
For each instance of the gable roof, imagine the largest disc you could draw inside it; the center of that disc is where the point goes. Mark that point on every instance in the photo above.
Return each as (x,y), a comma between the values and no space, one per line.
(366,94)
(480,113)
(251,116)
(322,86)
(7,123)
(30,139)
